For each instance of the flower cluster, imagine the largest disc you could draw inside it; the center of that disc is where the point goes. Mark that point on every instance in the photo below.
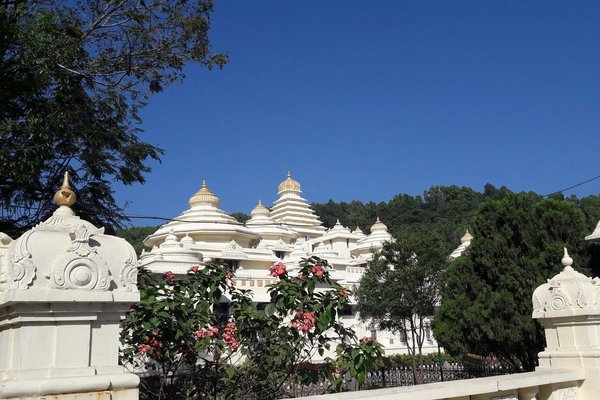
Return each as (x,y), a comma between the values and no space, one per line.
(207,332)
(170,276)
(366,340)
(278,270)
(304,321)
(337,372)
(194,269)
(318,270)
(229,336)
(343,294)
(151,344)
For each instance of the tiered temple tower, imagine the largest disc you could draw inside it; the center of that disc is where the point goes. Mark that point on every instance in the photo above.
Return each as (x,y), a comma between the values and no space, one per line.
(293,210)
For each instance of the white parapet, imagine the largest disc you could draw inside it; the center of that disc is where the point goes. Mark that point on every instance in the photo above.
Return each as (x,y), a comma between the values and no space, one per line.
(551,385)
(64,288)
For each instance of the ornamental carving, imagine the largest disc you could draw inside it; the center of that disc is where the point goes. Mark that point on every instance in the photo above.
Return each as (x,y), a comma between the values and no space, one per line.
(233,250)
(21,271)
(536,303)
(129,272)
(559,300)
(81,267)
(570,393)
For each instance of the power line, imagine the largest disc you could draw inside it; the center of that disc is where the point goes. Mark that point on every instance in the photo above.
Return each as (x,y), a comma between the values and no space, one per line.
(573,186)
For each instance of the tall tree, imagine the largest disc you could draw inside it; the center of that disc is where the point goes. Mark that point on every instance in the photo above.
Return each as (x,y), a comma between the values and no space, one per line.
(73,76)
(399,289)
(486,298)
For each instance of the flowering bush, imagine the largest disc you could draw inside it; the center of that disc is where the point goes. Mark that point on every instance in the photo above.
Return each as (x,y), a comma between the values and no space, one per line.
(191,351)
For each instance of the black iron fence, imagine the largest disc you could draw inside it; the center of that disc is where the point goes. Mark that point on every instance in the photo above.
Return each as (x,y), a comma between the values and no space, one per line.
(403,376)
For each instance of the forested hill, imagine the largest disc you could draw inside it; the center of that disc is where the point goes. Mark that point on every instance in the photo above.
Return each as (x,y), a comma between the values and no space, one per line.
(447,209)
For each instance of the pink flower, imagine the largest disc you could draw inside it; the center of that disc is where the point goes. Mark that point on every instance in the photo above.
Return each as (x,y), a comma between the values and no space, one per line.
(144,348)
(343,294)
(300,276)
(278,270)
(366,340)
(318,270)
(304,321)
(170,276)
(229,273)
(132,308)
(194,269)
(231,327)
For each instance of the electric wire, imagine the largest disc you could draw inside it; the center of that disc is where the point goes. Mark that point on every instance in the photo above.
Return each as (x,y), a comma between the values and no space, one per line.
(276,224)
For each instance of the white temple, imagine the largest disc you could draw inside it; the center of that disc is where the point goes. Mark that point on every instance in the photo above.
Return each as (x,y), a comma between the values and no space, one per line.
(289,232)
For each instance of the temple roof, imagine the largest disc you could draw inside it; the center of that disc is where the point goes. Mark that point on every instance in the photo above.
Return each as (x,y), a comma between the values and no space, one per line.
(204,196)
(262,223)
(289,185)
(202,219)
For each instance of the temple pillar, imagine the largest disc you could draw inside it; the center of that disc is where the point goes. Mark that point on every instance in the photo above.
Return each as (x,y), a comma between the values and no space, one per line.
(64,288)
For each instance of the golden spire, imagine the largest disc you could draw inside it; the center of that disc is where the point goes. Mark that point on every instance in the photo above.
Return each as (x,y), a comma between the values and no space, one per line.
(289,184)
(65,196)
(205,196)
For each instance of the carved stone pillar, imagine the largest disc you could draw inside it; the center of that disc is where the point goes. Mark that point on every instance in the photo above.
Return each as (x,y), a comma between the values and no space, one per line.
(568,307)
(64,288)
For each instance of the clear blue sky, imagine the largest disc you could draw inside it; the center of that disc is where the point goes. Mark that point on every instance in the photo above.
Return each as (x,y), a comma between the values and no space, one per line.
(366,99)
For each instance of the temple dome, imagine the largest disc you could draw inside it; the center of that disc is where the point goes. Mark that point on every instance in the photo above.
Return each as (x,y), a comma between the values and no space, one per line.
(205,196)
(260,210)
(379,226)
(289,185)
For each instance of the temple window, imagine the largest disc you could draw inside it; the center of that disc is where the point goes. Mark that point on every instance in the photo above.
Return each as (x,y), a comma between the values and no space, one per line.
(279,254)
(233,264)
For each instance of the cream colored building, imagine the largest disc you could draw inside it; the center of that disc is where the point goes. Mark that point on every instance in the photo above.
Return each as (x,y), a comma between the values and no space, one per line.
(289,232)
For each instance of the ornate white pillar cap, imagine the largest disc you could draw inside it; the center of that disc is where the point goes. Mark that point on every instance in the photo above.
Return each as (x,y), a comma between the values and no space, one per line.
(569,293)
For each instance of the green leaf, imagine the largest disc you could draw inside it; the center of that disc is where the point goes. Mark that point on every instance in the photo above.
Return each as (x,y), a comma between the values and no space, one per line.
(270,309)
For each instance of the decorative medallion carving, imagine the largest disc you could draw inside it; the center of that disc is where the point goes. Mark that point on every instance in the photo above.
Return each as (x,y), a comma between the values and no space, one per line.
(21,271)
(559,299)
(81,267)
(129,272)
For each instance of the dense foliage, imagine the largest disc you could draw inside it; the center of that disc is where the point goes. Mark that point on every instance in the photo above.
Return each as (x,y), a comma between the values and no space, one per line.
(400,289)
(486,297)
(449,210)
(195,346)
(73,76)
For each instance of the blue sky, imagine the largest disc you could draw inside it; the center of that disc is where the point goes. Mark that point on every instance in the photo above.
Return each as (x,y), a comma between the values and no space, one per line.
(363,100)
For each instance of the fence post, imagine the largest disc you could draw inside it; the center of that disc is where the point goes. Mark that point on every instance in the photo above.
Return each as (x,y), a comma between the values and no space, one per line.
(568,307)
(64,287)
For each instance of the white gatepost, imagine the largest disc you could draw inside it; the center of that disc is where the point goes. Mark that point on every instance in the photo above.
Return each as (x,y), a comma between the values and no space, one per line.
(568,307)
(64,288)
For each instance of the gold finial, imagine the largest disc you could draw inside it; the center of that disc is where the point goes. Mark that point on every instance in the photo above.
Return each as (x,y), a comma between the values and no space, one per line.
(289,185)
(65,196)
(205,196)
